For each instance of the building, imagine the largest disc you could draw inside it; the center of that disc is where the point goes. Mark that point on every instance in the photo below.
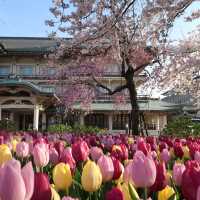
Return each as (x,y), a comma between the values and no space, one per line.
(27,97)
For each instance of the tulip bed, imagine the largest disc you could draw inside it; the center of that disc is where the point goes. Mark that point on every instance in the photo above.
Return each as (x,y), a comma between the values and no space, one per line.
(85,167)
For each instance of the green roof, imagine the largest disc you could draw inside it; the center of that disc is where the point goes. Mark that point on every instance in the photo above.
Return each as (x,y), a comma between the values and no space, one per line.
(25,45)
(18,82)
(144,105)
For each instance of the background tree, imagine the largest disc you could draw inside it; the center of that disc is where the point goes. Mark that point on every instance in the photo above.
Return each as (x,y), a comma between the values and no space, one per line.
(128,33)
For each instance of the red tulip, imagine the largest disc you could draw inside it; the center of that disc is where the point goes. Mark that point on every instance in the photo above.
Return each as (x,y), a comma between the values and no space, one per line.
(178,150)
(117,168)
(42,190)
(114,194)
(59,146)
(80,151)
(190,180)
(144,147)
(161,180)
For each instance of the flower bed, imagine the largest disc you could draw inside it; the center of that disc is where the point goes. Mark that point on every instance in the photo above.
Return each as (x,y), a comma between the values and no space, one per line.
(44,167)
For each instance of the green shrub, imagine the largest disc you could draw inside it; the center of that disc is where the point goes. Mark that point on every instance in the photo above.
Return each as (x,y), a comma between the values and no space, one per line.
(77,128)
(59,128)
(8,125)
(182,126)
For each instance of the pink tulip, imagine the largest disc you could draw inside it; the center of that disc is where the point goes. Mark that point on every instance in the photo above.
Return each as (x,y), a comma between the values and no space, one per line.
(198,193)
(165,155)
(96,153)
(197,156)
(143,170)
(16,183)
(178,170)
(53,156)
(66,157)
(128,173)
(41,154)
(22,149)
(106,166)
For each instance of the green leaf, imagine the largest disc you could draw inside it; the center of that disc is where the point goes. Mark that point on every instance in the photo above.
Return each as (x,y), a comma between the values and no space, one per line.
(133,193)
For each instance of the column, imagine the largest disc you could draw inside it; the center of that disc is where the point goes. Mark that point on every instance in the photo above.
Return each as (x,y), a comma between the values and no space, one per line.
(82,119)
(0,112)
(44,121)
(110,122)
(36,118)
(12,116)
(158,123)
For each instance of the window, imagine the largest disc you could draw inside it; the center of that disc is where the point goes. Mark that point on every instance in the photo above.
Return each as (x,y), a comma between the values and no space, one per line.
(26,70)
(4,70)
(51,71)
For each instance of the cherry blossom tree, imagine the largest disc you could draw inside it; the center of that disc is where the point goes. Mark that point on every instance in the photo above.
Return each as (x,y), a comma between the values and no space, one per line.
(128,33)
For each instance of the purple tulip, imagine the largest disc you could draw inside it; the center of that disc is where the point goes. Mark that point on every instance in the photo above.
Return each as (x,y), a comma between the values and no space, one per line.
(22,149)
(165,155)
(53,156)
(16,183)
(178,170)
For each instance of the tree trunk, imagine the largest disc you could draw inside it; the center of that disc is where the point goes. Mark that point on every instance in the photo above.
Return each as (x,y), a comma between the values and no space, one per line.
(134,126)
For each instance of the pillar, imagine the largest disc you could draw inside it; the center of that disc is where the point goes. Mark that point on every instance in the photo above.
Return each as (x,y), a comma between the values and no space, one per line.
(36,118)
(0,113)
(82,119)
(12,116)
(110,122)
(44,121)
(158,123)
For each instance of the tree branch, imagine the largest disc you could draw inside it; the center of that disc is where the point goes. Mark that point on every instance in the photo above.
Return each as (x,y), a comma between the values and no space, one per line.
(110,92)
(145,65)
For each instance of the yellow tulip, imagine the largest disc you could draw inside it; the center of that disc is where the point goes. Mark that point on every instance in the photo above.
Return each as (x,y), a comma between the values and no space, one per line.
(5,154)
(14,143)
(91,178)
(54,194)
(186,152)
(62,176)
(169,177)
(126,192)
(166,193)
(130,140)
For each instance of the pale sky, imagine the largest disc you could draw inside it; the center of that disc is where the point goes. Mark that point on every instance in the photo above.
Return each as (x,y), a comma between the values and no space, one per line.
(27,17)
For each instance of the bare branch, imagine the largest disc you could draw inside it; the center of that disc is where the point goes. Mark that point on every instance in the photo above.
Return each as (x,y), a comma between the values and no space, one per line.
(110,92)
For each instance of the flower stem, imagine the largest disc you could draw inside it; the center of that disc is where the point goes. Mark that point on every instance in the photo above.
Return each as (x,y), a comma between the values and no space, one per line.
(145,193)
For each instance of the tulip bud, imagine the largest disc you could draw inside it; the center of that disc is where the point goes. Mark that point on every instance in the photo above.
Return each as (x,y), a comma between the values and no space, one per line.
(114,194)
(166,193)
(106,166)
(178,170)
(62,177)
(165,155)
(53,156)
(118,168)
(41,154)
(42,189)
(5,154)
(91,178)
(80,151)
(96,153)
(22,149)
(161,179)
(143,170)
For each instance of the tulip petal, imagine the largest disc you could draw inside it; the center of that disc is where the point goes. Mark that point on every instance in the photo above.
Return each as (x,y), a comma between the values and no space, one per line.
(11,183)
(28,176)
